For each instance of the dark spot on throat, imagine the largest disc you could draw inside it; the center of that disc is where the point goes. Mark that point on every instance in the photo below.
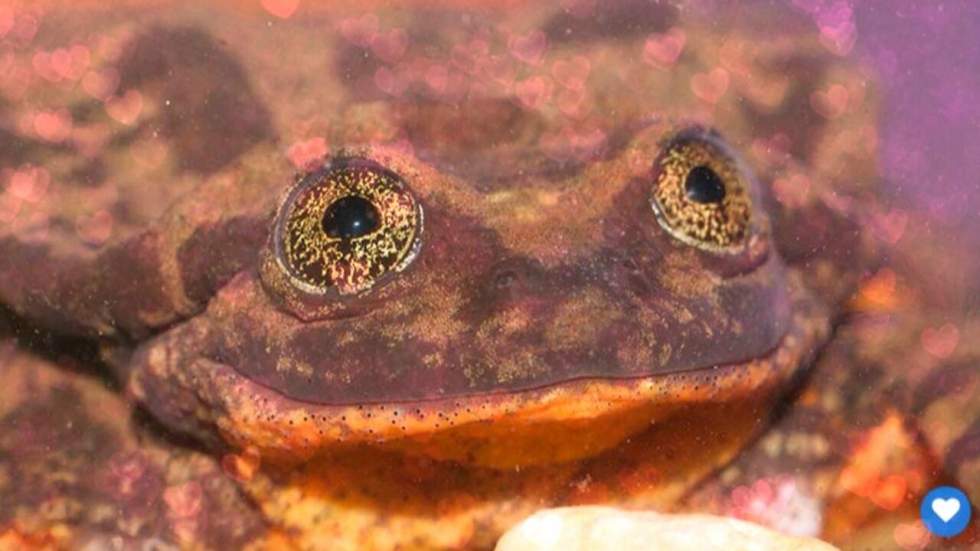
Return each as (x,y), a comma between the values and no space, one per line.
(704,186)
(350,217)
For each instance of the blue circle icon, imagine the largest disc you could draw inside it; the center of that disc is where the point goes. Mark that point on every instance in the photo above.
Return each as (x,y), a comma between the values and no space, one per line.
(945,511)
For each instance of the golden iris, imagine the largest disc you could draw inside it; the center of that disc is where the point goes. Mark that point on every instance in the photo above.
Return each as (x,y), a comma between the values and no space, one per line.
(346,226)
(700,196)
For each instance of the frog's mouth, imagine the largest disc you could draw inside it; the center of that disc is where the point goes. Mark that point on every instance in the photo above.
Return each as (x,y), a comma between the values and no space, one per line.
(198,394)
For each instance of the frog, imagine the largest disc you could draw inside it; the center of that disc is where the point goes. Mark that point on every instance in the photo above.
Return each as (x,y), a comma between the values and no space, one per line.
(447,265)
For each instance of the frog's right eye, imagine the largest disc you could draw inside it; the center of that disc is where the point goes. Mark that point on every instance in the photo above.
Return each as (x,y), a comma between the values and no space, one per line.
(347,227)
(701,195)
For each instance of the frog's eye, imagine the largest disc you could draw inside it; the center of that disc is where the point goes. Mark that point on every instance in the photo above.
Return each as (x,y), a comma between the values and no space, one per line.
(700,194)
(345,226)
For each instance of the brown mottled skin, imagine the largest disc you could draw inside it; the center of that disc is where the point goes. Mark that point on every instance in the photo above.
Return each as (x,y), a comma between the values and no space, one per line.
(550,344)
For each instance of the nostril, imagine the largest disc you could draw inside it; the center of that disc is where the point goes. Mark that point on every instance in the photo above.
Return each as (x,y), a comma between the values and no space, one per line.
(505,278)
(511,273)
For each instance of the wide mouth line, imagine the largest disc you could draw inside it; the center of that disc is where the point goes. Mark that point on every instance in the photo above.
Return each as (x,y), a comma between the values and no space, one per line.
(533,389)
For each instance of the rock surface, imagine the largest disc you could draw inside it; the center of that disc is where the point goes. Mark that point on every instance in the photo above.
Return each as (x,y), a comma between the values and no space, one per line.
(607,528)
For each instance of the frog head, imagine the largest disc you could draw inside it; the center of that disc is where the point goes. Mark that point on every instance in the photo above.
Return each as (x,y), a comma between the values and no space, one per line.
(520,244)
(487,292)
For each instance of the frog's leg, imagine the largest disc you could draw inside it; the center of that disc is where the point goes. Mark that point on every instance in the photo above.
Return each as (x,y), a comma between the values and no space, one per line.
(77,467)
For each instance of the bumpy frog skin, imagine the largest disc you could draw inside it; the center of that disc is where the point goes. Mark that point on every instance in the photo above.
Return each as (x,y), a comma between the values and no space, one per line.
(550,329)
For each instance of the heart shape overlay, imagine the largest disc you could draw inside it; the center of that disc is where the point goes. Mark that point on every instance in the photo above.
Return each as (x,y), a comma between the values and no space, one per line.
(946,509)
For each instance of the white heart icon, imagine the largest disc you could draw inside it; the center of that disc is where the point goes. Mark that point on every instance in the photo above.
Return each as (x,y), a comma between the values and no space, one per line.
(946,508)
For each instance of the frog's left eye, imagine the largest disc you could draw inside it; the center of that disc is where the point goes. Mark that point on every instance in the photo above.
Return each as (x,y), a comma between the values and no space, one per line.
(347,226)
(701,195)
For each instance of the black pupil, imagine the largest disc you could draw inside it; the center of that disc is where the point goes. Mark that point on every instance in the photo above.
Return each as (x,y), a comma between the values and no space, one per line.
(350,217)
(704,186)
